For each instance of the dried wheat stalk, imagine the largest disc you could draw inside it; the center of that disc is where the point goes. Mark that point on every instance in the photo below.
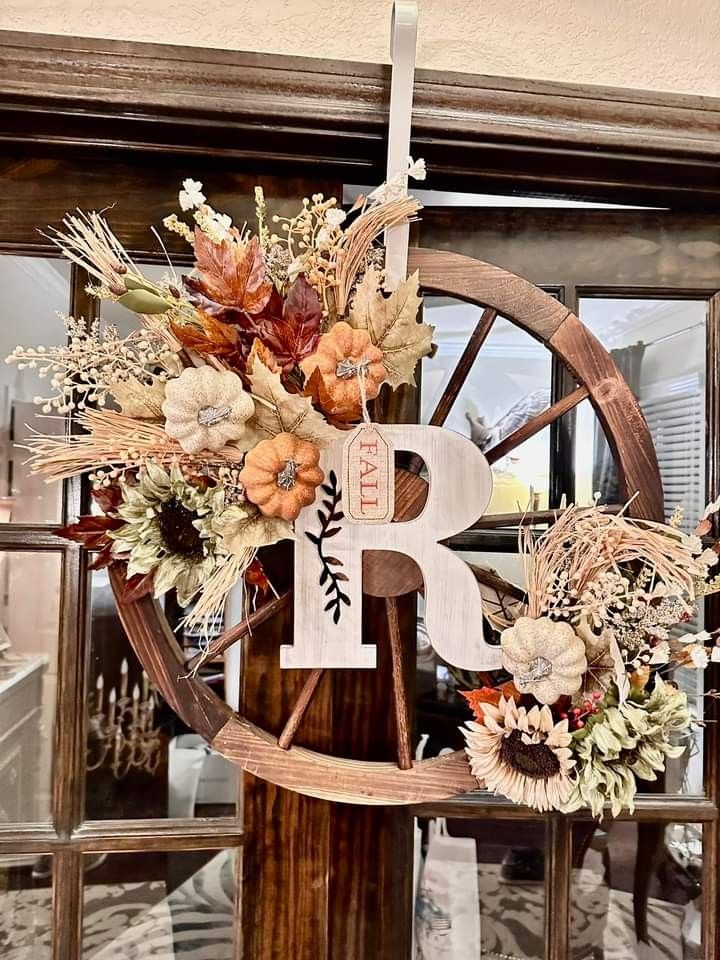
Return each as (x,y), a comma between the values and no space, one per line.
(585,543)
(360,236)
(112,440)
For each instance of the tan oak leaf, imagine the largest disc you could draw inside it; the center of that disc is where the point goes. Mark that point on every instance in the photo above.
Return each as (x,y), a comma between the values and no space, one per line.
(140,400)
(242,531)
(392,324)
(277,411)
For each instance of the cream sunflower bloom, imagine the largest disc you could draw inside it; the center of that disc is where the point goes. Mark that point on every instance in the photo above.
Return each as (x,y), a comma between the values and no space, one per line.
(168,530)
(522,754)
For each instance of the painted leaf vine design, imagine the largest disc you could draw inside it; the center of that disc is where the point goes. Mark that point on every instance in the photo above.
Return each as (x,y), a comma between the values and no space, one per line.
(331,576)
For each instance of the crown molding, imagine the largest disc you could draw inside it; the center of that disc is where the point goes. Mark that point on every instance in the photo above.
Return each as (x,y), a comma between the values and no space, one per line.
(477,133)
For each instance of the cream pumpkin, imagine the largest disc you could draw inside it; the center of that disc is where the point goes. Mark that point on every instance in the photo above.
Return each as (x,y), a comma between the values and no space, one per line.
(206,408)
(545,657)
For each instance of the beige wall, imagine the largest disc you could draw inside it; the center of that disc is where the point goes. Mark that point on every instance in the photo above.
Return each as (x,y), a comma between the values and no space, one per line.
(671,45)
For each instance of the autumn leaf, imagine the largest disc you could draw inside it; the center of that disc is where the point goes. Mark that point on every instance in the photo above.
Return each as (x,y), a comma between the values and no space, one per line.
(231,273)
(107,498)
(91,531)
(211,338)
(103,559)
(255,576)
(489,695)
(392,324)
(277,411)
(242,531)
(266,356)
(292,329)
(137,586)
(140,400)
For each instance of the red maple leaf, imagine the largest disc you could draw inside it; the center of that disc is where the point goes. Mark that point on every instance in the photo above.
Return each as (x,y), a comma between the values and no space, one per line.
(255,576)
(107,498)
(230,273)
(291,329)
(137,586)
(91,531)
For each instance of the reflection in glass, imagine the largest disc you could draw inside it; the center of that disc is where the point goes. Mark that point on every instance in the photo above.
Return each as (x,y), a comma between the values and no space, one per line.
(141,760)
(480,889)
(159,906)
(25,907)
(635,882)
(508,385)
(659,347)
(28,681)
(35,290)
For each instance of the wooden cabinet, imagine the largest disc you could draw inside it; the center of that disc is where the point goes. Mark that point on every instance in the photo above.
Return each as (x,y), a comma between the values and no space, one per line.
(21,687)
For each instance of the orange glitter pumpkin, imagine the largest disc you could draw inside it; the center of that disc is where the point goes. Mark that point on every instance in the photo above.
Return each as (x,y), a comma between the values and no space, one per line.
(281,475)
(341,356)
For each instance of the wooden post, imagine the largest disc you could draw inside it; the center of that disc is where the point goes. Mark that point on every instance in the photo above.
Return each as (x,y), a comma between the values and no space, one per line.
(328,881)
(320,880)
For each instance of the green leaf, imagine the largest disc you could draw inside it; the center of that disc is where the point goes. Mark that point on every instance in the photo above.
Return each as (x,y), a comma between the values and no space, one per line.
(143,302)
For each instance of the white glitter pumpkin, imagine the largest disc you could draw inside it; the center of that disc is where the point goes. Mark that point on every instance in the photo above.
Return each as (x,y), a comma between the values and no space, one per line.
(545,657)
(206,408)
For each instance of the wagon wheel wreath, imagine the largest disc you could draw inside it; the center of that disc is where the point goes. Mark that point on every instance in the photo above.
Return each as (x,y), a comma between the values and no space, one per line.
(239,373)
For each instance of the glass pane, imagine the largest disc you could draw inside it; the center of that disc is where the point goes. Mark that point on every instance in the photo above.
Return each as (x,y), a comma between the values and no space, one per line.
(28,681)
(637,882)
(25,907)
(480,889)
(159,906)
(35,290)
(659,346)
(142,761)
(508,384)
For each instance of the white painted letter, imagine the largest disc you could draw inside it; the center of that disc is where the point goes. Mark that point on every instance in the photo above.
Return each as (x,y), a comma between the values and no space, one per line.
(328,559)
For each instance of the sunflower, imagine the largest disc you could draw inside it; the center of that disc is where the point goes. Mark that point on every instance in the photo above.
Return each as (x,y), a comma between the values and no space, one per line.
(167,530)
(522,754)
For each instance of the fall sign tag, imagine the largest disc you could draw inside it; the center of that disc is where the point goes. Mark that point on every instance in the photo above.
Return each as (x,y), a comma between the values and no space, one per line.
(368,476)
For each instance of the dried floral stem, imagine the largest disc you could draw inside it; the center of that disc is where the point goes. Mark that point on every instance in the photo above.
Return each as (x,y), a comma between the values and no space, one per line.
(360,236)
(112,440)
(585,543)
(215,590)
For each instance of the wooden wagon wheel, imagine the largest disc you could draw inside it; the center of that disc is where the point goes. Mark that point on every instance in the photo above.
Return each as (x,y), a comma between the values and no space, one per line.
(498,293)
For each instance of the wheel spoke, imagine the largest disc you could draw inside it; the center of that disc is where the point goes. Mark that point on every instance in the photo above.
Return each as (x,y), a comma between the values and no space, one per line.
(402,712)
(298,711)
(491,579)
(528,518)
(240,630)
(459,376)
(538,423)
(464,365)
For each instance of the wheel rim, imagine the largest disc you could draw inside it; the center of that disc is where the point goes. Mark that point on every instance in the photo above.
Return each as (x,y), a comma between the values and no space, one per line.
(498,292)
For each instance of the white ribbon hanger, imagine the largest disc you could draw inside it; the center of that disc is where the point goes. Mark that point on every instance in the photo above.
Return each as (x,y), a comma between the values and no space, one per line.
(403,44)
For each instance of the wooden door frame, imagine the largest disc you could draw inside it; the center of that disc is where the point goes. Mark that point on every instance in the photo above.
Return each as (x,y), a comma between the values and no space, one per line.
(482,134)
(72,101)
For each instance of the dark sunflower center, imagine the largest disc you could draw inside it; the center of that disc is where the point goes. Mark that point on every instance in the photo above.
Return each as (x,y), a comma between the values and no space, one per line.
(534,760)
(177,530)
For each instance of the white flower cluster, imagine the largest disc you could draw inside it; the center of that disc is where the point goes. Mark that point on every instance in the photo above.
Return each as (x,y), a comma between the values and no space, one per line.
(93,359)
(216,225)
